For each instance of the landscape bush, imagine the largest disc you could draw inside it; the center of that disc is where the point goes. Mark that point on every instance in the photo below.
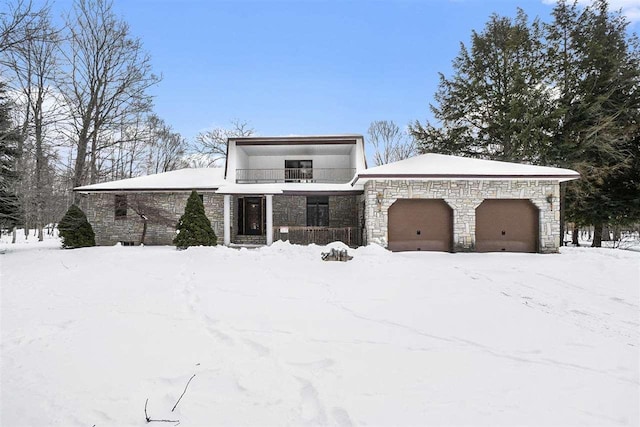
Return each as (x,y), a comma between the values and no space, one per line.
(75,230)
(194,228)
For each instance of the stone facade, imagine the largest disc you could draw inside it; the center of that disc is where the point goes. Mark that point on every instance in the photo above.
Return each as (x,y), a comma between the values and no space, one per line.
(289,211)
(164,212)
(463,196)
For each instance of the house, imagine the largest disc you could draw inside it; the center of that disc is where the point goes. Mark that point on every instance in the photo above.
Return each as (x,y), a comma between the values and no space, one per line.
(318,189)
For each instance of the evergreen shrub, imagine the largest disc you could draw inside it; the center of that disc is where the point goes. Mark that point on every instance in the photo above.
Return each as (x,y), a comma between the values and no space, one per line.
(194,228)
(75,230)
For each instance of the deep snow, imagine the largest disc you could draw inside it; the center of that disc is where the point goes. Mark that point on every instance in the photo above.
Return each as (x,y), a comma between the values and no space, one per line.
(275,336)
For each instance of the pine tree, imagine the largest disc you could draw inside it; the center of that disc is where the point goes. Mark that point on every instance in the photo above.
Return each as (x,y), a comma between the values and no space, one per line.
(75,230)
(10,212)
(598,77)
(194,228)
(496,104)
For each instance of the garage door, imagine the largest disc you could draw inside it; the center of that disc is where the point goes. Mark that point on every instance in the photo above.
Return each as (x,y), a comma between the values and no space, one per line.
(506,225)
(420,225)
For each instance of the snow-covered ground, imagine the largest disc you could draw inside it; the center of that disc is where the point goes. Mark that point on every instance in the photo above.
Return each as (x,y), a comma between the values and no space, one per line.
(275,336)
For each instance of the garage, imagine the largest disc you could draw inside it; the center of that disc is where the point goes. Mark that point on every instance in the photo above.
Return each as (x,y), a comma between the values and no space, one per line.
(507,226)
(420,225)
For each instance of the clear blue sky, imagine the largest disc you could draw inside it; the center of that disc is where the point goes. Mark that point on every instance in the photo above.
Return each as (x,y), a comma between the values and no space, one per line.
(303,67)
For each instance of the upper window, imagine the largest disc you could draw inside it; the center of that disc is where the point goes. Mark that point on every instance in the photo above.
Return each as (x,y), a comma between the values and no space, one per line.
(120,206)
(318,211)
(298,170)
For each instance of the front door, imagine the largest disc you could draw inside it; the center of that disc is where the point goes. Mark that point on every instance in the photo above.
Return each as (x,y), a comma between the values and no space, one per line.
(253,216)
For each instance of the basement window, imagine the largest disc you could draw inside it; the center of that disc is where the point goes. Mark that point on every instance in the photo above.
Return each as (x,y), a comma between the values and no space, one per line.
(120,206)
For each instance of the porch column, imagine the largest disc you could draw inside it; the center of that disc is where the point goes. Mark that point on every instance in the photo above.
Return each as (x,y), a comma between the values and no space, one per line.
(227,219)
(269,219)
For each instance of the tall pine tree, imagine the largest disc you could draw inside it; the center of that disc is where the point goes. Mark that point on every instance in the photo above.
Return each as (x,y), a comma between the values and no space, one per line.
(10,212)
(496,105)
(597,78)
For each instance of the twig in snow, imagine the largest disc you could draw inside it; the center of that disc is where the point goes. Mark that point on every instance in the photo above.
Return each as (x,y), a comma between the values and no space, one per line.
(151,420)
(185,390)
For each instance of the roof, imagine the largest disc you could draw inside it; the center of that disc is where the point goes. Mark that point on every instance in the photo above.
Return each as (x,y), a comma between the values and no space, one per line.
(297,139)
(440,166)
(178,180)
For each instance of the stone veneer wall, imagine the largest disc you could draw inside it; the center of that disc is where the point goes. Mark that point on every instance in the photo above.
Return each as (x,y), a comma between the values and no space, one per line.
(464,197)
(100,210)
(292,211)
(289,210)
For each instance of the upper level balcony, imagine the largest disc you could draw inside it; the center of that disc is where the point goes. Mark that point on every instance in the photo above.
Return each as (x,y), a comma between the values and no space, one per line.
(316,175)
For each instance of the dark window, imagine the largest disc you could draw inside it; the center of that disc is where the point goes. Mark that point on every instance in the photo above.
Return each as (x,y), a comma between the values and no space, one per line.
(121,206)
(298,170)
(318,211)
(201,197)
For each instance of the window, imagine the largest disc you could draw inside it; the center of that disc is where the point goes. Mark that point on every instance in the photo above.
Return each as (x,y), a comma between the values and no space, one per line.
(121,206)
(318,211)
(298,170)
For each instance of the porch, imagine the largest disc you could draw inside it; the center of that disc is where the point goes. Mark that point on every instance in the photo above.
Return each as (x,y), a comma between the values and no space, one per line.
(252,219)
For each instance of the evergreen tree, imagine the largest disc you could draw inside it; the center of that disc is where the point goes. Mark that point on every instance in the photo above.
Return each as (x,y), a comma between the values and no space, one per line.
(598,76)
(194,228)
(75,230)
(496,105)
(10,212)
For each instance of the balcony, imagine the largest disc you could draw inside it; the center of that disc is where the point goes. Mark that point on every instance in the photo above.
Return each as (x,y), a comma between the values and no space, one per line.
(318,175)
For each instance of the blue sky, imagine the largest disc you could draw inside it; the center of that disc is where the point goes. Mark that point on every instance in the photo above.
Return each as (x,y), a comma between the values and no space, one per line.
(303,67)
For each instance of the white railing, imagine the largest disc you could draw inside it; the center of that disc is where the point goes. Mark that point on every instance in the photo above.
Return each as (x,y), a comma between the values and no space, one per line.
(320,175)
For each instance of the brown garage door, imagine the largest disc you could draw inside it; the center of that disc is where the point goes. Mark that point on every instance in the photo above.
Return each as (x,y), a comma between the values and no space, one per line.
(420,225)
(506,225)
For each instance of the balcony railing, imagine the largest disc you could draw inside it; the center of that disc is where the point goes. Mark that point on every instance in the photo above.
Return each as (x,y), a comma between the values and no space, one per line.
(320,175)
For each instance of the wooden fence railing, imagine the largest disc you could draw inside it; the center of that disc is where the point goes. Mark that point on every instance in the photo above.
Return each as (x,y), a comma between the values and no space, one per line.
(318,235)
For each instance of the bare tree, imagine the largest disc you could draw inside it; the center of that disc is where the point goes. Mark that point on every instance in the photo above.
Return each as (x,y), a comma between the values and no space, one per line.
(14,16)
(389,142)
(109,76)
(213,143)
(33,61)
(149,212)
(165,148)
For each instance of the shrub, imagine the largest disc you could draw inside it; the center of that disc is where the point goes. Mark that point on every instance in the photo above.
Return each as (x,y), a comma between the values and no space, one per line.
(75,230)
(194,228)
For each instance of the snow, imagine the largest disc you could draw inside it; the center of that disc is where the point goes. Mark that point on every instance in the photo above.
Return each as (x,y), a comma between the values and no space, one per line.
(275,336)
(439,165)
(181,179)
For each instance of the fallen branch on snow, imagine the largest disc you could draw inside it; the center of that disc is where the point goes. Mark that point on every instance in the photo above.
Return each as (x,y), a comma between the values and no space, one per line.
(151,420)
(185,390)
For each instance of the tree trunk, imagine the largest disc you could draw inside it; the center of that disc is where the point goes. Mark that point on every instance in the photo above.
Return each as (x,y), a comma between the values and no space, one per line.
(597,236)
(606,233)
(144,231)
(14,234)
(574,236)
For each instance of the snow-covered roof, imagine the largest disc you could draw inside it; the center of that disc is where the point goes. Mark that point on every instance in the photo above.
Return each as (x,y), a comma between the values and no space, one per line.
(178,180)
(440,166)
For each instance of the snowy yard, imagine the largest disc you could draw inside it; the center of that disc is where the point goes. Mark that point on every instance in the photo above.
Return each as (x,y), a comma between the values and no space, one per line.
(275,336)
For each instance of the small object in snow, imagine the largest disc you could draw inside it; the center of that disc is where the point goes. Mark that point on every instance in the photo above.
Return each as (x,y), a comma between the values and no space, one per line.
(336,255)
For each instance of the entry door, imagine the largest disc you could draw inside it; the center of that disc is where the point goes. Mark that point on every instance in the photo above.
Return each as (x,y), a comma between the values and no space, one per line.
(253,216)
